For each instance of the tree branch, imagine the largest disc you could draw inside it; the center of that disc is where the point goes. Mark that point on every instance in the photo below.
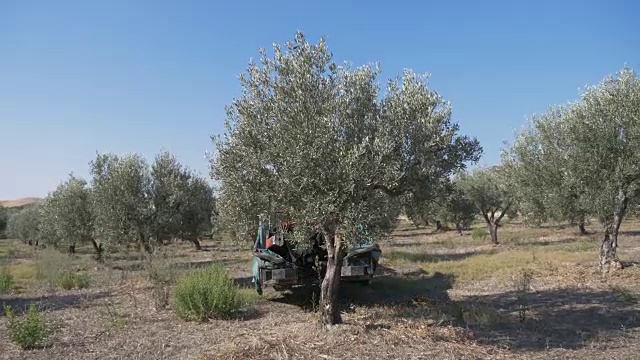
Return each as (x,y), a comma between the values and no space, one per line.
(503,212)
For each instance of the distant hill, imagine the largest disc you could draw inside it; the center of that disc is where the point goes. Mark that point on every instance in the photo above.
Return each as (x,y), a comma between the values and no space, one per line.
(19,202)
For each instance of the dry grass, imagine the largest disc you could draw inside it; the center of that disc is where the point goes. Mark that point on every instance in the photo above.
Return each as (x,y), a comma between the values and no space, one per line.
(536,296)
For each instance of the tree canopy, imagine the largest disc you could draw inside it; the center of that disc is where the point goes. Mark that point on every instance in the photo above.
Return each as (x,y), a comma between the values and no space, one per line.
(587,151)
(321,143)
(67,214)
(491,193)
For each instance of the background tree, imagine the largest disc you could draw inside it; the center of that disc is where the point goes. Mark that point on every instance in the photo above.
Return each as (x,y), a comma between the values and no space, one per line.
(597,152)
(421,213)
(68,214)
(313,140)
(545,193)
(491,193)
(25,225)
(168,190)
(458,209)
(196,210)
(183,201)
(122,201)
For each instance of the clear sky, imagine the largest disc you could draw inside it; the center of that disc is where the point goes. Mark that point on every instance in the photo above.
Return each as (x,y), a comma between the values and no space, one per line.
(124,76)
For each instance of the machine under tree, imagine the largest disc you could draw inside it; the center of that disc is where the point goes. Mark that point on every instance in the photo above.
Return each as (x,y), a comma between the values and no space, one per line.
(283,263)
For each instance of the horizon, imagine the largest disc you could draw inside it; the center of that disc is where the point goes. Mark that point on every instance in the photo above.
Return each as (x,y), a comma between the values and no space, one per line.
(119,77)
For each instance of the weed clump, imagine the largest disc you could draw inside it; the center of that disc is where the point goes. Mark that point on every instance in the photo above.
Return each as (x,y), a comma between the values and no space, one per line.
(57,270)
(208,293)
(29,332)
(7,281)
(161,274)
(479,234)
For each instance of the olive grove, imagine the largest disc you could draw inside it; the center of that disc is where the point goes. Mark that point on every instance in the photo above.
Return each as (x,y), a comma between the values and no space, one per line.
(321,143)
(126,202)
(586,155)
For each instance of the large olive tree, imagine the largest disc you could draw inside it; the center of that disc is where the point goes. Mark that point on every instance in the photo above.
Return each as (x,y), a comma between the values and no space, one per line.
(591,148)
(320,143)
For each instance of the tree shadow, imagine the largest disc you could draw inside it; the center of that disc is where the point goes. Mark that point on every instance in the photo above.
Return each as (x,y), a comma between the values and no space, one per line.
(392,289)
(51,302)
(422,257)
(630,233)
(387,288)
(547,242)
(182,265)
(563,318)
(443,242)
(417,232)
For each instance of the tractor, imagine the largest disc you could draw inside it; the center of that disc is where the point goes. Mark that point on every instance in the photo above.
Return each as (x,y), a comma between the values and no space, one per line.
(279,264)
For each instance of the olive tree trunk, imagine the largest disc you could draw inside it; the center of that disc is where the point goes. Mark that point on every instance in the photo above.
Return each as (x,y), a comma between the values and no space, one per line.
(329,312)
(98,250)
(583,231)
(196,242)
(493,222)
(609,246)
(493,231)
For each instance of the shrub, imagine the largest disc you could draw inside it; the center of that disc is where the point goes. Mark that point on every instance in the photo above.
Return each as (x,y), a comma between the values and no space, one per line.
(479,234)
(82,280)
(70,279)
(207,293)
(161,274)
(29,332)
(7,281)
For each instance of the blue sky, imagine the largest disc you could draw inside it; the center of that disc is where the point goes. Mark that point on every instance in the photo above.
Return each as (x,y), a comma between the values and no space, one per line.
(119,76)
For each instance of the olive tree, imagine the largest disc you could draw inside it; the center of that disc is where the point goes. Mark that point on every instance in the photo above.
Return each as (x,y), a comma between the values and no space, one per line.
(167,179)
(596,154)
(67,213)
(490,191)
(320,143)
(458,208)
(183,202)
(450,205)
(121,201)
(545,191)
(197,210)
(25,224)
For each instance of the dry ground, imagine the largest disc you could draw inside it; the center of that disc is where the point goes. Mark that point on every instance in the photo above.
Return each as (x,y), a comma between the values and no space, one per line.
(536,296)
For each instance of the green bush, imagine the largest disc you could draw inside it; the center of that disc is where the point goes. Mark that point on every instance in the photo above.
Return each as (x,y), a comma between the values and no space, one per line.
(68,280)
(207,293)
(31,331)
(82,280)
(479,234)
(7,282)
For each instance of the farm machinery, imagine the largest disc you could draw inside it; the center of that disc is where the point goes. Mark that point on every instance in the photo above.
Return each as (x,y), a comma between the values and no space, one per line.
(283,264)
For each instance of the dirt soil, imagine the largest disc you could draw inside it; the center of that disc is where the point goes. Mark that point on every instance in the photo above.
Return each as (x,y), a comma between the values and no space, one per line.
(538,295)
